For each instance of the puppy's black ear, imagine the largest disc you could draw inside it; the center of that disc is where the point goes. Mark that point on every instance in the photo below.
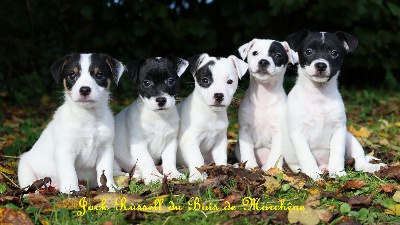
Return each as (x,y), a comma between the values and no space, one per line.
(179,64)
(349,41)
(116,67)
(195,61)
(294,40)
(133,69)
(58,66)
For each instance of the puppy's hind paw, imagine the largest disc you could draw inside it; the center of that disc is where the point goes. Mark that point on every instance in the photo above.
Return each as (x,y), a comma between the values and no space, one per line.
(369,167)
(197,176)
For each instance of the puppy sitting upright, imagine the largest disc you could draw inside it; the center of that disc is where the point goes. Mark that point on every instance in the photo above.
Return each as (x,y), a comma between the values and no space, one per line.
(315,137)
(77,143)
(264,103)
(146,131)
(204,121)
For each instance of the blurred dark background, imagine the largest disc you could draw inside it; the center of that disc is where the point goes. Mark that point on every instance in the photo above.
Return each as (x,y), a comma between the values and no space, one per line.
(33,34)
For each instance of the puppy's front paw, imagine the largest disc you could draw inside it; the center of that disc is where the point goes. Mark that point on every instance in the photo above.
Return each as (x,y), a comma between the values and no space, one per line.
(66,189)
(251,165)
(154,177)
(333,174)
(174,174)
(315,175)
(197,176)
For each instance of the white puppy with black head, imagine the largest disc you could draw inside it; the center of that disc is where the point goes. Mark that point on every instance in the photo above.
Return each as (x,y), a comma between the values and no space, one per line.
(146,131)
(314,129)
(204,121)
(77,143)
(263,105)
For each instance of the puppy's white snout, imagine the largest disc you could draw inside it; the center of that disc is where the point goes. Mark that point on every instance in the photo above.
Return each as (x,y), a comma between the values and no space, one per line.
(263,63)
(219,97)
(161,101)
(85,91)
(321,66)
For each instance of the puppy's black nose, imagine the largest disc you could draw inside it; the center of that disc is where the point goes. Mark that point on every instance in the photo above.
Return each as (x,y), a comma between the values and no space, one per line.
(219,97)
(161,101)
(263,63)
(85,91)
(321,66)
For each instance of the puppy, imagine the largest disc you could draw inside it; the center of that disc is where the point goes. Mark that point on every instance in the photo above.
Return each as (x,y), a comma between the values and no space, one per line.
(77,143)
(263,105)
(204,121)
(314,132)
(146,131)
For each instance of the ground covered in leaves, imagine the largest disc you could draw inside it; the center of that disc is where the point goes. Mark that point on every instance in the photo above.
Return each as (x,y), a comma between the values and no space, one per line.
(231,195)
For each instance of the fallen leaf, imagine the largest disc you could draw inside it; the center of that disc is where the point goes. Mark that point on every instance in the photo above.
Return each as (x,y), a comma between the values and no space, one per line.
(387,188)
(121,181)
(35,199)
(271,185)
(324,215)
(277,172)
(237,213)
(313,200)
(362,132)
(335,195)
(232,199)
(307,216)
(351,185)
(393,210)
(12,216)
(7,171)
(392,172)
(396,196)
(358,202)
(387,144)
(4,199)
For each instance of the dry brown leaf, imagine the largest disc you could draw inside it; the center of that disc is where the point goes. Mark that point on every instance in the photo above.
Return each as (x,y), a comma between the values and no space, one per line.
(387,188)
(313,200)
(276,172)
(271,185)
(362,132)
(352,184)
(35,199)
(111,198)
(12,216)
(307,216)
(232,199)
(360,201)
(324,215)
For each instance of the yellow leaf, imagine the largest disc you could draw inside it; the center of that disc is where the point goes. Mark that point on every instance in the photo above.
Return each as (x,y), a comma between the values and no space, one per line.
(275,172)
(313,191)
(396,196)
(362,132)
(7,171)
(12,216)
(307,216)
(393,210)
(271,185)
(121,181)
(397,124)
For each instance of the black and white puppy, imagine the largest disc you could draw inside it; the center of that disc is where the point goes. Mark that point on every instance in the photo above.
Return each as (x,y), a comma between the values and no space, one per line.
(146,131)
(77,143)
(204,121)
(314,130)
(263,105)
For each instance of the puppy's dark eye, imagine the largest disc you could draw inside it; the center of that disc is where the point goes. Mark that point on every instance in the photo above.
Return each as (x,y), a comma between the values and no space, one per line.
(99,76)
(255,53)
(278,55)
(334,53)
(72,77)
(230,81)
(146,83)
(308,52)
(171,81)
(205,80)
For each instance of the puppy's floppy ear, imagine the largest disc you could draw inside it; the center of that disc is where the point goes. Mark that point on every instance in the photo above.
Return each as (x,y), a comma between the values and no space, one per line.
(239,65)
(293,56)
(294,40)
(180,65)
(116,67)
(133,69)
(349,41)
(58,66)
(244,49)
(196,61)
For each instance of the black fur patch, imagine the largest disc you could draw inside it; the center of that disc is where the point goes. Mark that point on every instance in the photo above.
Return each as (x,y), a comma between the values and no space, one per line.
(100,70)
(159,73)
(278,54)
(203,74)
(71,66)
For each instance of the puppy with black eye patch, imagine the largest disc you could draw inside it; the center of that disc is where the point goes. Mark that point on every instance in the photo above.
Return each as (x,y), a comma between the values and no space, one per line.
(204,121)
(77,143)
(263,105)
(146,130)
(314,129)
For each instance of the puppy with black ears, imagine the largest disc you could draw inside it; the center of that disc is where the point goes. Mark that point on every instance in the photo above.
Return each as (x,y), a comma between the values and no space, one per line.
(204,121)
(263,105)
(77,143)
(146,131)
(314,129)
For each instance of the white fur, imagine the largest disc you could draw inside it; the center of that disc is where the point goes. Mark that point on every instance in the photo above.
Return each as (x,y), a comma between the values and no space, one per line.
(202,135)
(314,130)
(77,143)
(261,109)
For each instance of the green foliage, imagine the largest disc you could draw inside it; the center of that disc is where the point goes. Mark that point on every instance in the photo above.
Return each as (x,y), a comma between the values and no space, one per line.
(36,33)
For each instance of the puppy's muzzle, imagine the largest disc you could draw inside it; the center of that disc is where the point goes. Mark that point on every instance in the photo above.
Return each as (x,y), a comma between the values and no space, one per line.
(263,65)
(161,101)
(219,97)
(85,91)
(321,67)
